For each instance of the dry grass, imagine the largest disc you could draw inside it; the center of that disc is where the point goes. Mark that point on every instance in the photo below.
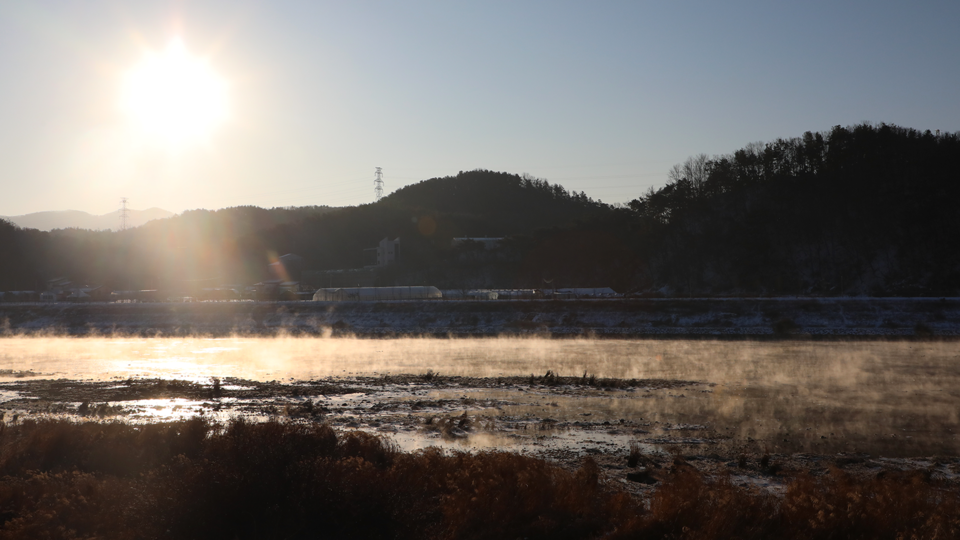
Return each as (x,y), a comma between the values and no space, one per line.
(194,479)
(551,378)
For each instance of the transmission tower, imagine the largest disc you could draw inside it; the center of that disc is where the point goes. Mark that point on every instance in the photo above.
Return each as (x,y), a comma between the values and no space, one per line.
(124,213)
(378,185)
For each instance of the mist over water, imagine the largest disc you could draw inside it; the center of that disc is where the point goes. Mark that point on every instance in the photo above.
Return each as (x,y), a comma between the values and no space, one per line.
(832,363)
(891,398)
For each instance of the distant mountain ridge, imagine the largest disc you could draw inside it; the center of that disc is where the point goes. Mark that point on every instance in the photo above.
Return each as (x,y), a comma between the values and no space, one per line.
(76,219)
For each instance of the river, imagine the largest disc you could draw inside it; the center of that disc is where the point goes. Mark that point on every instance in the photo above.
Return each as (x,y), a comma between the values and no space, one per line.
(892,397)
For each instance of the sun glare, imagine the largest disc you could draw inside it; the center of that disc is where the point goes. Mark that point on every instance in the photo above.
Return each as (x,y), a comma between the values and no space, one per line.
(175,96)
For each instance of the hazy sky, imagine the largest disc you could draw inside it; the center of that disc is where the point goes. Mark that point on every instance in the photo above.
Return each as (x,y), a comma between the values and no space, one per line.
(602,97)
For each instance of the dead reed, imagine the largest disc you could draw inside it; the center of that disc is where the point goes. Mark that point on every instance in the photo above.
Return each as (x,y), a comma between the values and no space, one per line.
(196,479)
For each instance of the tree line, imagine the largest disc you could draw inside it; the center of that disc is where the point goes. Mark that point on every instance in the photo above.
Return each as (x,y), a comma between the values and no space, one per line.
(864,210)
(856,210)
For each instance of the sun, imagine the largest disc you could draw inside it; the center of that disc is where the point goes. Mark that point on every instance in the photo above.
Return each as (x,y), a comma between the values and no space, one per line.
(174,96)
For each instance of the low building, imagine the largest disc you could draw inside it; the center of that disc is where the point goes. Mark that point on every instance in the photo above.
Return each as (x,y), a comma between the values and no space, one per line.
(388,252)
(518,294)
(585,292)
(58,289)
(268,291)
(377,294)
(145,295)
(275,290)
(487,241)
(473,294)
(220,294)
(101,293)
(59,283)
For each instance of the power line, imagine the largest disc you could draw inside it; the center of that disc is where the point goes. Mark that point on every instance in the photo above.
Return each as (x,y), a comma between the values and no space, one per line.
(378,185)
(123,213)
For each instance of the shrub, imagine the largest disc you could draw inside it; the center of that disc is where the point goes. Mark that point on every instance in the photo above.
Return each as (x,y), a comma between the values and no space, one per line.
(196,479)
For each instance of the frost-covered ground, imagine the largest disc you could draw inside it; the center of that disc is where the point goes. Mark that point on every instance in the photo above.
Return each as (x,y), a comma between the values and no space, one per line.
(620,318)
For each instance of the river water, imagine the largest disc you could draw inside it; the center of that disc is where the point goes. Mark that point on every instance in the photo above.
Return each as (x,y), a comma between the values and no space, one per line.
(898,397)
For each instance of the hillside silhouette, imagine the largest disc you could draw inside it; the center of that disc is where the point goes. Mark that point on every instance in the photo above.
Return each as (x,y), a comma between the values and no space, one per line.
(235,245)
(860,210)
(75,219)
(868,210)
(507,203)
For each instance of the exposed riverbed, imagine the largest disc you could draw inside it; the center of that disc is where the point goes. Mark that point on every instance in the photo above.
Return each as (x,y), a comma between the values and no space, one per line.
(719,400)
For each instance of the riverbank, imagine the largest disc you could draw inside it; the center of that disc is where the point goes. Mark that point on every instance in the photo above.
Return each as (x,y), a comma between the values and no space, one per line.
(746,317)
(427,438)
(197,479)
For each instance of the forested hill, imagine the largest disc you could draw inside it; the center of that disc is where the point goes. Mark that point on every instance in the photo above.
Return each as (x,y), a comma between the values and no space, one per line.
(197,244)
(513,204)
(428,215)
(859,210)
(863,210)
(235,245)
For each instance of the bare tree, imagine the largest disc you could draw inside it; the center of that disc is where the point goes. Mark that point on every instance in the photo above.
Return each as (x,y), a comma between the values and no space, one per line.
(695,171)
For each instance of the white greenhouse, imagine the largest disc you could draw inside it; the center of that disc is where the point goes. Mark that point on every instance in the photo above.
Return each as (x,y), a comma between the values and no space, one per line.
(475,294)
(376,294)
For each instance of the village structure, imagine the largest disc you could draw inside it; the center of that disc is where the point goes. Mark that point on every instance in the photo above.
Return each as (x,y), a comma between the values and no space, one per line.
(291,282)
